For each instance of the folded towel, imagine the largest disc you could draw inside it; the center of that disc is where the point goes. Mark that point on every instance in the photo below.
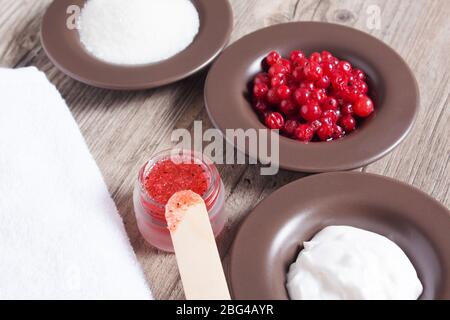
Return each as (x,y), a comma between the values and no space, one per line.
(60,234)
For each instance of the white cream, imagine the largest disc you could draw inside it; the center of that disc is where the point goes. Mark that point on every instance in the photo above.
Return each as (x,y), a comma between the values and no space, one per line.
(347,263)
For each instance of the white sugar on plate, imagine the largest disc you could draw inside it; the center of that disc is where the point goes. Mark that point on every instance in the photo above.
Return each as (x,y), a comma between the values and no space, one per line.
(133,32)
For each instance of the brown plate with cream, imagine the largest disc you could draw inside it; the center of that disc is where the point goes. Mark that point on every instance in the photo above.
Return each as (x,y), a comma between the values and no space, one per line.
(65,50)
(392,85)
(271,237)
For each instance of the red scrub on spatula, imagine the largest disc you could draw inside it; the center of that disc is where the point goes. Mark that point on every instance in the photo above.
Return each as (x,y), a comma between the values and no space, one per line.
(195,248)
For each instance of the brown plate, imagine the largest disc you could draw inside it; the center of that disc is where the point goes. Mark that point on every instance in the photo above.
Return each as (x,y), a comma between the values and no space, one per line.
(392,87)
(65,50)
(271,237)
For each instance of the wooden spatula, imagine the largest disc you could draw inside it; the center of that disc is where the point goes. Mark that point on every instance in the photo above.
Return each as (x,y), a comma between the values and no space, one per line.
(195,248)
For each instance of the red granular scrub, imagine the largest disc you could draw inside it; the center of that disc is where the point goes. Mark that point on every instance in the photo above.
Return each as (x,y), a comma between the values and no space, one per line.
(166,178)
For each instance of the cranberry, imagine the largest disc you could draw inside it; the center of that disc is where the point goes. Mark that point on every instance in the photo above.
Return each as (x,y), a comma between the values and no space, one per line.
(362,87)
(272,58)
(272,96)
(283,92)
(310,111)
(347,109)
(348,123)
(338,132)
(363,107)
(261,106)
(300,62)
(277,81)
(274,120)
(260,90)
(304,133)
(262,78)
(297,55)
(329,103)
(351,94)
(326,56)
(331,114)
(316,57)
(308,85)
(325,131)
(298,74)
(277,70)
(345,66)
(313,71)
(328,68)
(318,95)
(287,64)
(339,81)
(315,98)
(288,107)
(359,74)
(323,82)
(302,96)
(326,120)
(290,126)
(315,125)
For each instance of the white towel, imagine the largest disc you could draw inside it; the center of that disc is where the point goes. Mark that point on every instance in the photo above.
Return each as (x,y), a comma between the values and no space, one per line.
(60,234)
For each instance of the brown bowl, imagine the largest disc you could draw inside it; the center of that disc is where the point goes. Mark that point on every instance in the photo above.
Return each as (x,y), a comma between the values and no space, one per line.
(271,237)
(392,87)
(65,50)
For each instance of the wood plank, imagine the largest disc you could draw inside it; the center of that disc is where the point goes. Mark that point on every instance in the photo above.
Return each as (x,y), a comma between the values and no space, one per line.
(123,129)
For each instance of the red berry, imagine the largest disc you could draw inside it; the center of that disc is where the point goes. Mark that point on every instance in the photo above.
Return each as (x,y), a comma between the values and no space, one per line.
(274,120)
(315,125)
(359,74)
(277,70)
(339,81)
(362,87)
(302,62)
(283,92)
(297,55)
(302,96)
(316,57)
(260,90)
(290,126)
(276,81)
(347,109)
(323,92)
(348,123)
(351,94)
(272,96)
(307,85)
(334,61)
(345,66)
(310,111)
(328,68)
(363,107)
(331,114)
(272,58)
(329,103)
(313,71)
(261,106)
(304,133)
(318,95)
(287,64)
(323,82)
(326,56)
(262,78)
(325,131)
(338,132)
(298,74)
(288,107)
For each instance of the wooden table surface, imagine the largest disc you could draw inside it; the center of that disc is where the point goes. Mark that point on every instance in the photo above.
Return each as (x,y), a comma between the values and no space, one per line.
(123,129)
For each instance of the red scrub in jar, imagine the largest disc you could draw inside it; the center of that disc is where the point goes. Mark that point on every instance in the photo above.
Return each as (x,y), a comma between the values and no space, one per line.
(166,174)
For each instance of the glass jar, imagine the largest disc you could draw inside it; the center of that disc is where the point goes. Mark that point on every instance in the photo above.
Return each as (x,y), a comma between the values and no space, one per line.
(150,214)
